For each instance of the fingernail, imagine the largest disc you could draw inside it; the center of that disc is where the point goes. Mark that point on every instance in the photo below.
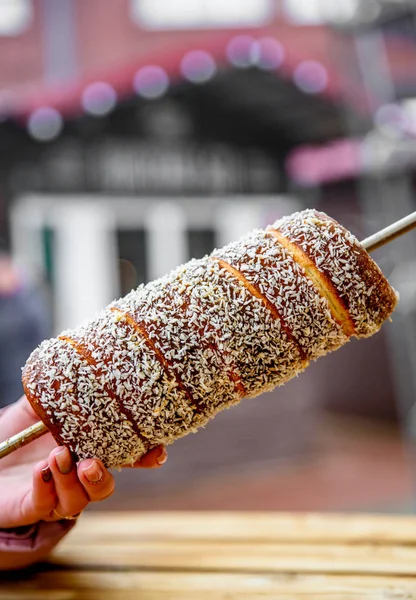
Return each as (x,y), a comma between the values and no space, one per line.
(46,474)
(162,458)
(94,472)
(64,461)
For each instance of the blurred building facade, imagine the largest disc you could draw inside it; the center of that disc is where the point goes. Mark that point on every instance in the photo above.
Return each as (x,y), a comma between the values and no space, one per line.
(143,105)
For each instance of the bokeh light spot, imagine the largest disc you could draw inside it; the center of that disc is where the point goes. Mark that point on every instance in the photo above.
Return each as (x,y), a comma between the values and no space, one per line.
(241,50)
(151,82)
(198,66)
(99,99)
(45,124)
(311,77)
(270,54)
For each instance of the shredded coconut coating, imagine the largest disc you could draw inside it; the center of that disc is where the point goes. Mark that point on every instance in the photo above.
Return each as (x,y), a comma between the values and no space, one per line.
(162,361)
(339,256)
(72,398)
(169,314)
(241,325)
(149,393)
(280,279)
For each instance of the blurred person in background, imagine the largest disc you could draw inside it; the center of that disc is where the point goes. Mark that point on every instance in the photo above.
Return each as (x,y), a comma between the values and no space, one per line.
(24,323)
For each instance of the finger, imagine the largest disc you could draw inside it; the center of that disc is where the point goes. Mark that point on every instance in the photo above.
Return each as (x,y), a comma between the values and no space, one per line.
(98,483)
(38,504)
(153,459)
(72,498)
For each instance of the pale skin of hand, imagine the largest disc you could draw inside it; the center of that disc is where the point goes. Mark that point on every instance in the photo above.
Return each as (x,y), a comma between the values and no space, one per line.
(25,496)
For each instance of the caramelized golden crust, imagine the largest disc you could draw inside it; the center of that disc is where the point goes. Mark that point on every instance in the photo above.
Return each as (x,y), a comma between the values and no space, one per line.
(144,385)
(337,307)
(192,357)
(266,267)
(70,396)
(41,412)
(37,385)
(141,330)
(342,260)
(100,371)
(221,314)
(255,291)
(381,298)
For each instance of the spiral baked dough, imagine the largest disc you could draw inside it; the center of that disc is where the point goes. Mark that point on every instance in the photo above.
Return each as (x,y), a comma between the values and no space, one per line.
(162,361)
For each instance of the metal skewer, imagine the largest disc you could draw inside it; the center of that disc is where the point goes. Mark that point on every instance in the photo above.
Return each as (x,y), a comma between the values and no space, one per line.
(390,233)
(371,243)
(23,438)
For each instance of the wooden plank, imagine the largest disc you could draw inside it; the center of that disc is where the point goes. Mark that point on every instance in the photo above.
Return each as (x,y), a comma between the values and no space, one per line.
(242,557)
(278,527)
(98,585)
(215,556)
(11,593)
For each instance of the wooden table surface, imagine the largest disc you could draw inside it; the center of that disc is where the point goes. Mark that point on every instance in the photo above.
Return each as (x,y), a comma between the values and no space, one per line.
(196,556)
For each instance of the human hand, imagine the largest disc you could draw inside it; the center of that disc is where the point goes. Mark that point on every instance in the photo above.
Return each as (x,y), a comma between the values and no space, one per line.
(41,481)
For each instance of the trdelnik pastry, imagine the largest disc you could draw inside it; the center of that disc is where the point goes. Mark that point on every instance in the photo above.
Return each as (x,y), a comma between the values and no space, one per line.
(162,361)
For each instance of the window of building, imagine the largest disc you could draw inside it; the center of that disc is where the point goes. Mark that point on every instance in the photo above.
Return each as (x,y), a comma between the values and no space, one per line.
(317,12)
(188,14)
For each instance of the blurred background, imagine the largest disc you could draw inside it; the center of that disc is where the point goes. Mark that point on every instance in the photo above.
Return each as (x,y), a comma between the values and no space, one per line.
(136,134)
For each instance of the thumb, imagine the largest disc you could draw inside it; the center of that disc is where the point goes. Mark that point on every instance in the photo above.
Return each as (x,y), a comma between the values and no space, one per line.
(15,417)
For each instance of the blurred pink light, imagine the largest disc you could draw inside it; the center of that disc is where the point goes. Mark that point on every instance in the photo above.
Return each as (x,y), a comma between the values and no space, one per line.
(270,54)
(311,77)
(45,123)
(198,66)
(316,165)
(241,51)
(99,98)
(151,82)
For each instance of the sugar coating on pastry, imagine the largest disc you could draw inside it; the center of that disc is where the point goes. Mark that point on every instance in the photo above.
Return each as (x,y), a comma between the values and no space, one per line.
(165,359)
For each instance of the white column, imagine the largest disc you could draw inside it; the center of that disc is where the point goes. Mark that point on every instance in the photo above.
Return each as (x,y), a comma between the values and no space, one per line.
(235,219)
(167,245)
(26,223)
(85,261)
